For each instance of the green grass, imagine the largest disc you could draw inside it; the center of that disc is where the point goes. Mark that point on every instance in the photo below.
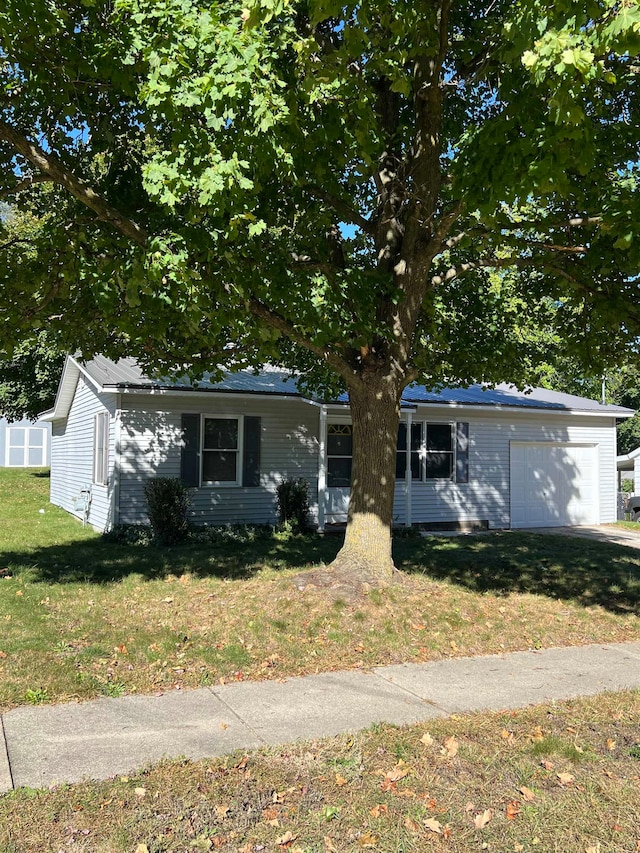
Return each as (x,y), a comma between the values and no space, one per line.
(634,526)
(82,616)
(561,777)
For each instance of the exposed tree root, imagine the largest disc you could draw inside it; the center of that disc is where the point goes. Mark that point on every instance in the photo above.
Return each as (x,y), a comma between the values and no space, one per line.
(343,581)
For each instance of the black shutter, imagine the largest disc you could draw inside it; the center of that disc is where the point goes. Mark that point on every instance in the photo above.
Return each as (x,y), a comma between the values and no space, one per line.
(462,453)
(251,452)
(190,453)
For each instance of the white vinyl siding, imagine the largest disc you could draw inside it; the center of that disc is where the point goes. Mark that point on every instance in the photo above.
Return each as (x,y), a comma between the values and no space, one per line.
(486,497)
(72,457)
(151,445)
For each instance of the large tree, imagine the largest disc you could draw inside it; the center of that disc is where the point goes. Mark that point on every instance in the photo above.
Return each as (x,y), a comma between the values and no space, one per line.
(620,386)
(29,378)
(369,192)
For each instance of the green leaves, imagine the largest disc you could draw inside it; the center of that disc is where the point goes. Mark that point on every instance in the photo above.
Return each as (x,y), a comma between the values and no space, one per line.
(241,138)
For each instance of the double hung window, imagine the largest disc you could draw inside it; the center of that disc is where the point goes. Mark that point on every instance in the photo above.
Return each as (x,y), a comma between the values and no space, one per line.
(339,455)
(221,450)
(415,450)
(439,451)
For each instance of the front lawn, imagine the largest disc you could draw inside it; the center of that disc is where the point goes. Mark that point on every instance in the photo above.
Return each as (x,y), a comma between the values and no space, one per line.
(83,616)
(558,778)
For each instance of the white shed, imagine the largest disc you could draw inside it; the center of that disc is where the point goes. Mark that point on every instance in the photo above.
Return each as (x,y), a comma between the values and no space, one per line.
(25,444)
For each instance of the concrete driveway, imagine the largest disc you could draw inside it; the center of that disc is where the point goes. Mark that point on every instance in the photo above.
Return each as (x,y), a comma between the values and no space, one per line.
(601,533)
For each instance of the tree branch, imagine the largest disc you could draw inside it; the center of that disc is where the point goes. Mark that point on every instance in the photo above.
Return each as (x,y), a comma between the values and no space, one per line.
(343,209)
(543,225)
(304,262)
(504,263)
(568,250)
(14,242)
(537,225)
(262,312)
(25,185)
(78,188)
(446,221)
(483,263)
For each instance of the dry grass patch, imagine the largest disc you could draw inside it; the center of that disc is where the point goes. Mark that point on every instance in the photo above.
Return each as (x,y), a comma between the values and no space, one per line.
(82,616)
(562,777)
(80,640)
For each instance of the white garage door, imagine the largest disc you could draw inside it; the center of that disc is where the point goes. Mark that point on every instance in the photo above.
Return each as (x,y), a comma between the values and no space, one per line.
(553,484)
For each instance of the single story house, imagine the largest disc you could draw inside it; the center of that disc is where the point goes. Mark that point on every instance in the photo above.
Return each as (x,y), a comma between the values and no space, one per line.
(25,444)
(629,467)
(498,457)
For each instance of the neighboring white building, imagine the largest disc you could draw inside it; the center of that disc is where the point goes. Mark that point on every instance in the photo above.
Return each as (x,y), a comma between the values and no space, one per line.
(629,467)
(499,457)
(25,444)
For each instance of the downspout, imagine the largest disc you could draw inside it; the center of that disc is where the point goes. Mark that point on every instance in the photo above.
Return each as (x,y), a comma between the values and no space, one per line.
(322,468)
(115,497)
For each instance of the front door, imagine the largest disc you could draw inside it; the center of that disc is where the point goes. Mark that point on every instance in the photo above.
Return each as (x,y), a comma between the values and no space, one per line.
(339,457)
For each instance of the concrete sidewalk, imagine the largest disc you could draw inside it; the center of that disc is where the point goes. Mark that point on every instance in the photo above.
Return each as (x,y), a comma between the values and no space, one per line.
(65,743)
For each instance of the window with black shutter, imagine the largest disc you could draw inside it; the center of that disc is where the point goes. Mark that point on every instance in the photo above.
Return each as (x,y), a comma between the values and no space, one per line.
(220,450)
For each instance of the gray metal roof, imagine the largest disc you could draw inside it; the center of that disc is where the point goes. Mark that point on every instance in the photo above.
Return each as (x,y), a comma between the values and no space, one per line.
(126,373)
(509,395)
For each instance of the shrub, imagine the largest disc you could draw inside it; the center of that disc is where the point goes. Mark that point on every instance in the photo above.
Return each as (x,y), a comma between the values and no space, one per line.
(235,534)
(292,498)
(129,534)
(168,505)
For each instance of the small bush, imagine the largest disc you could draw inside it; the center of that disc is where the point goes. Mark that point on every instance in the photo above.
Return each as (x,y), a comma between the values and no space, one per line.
(411,532)
(238,534)
(168,506)
(130,534)
(292,498)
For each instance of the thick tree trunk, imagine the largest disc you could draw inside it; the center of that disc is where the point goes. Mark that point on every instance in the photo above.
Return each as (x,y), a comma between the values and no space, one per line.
(375,411)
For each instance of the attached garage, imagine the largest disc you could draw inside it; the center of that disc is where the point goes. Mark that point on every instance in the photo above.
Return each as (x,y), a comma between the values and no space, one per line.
(554,484)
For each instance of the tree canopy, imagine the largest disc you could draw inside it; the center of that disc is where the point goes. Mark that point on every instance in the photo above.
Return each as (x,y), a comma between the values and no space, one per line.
(369,192)
(29,379)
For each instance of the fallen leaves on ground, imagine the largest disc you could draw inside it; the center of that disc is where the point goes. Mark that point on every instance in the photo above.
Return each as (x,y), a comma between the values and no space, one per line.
(434,825)
(513,810)
(483,818)
(451,747)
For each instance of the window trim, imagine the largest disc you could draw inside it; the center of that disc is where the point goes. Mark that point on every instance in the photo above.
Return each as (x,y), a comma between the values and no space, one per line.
(26,446)
(239,451)
(338,423)
(423,452)
(101,434)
